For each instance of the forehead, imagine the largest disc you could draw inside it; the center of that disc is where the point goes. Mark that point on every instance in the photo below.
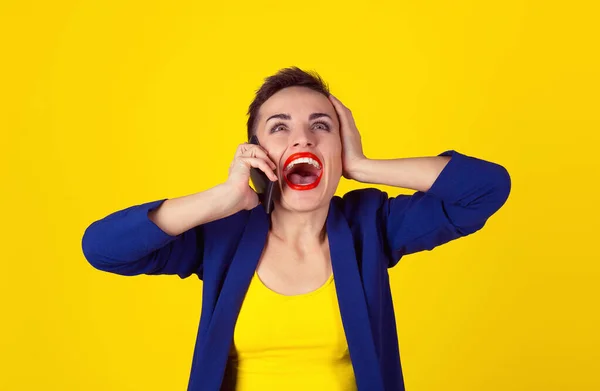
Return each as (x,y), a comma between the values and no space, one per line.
(296,101)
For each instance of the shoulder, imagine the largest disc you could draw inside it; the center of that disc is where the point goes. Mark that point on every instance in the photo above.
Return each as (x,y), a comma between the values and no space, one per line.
(226,231)
(361,203)
(236,220)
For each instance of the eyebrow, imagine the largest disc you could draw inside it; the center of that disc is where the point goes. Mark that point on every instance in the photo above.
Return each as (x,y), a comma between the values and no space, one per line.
(280,116)
(289,117)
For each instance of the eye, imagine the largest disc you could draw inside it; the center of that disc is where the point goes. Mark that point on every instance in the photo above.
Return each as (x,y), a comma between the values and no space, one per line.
(277,127)
(321,125)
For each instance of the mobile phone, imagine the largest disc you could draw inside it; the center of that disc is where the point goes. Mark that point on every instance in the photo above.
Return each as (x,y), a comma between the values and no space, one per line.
(265,188)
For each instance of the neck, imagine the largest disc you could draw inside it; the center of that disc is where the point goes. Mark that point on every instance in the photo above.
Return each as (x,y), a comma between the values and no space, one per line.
(299,227)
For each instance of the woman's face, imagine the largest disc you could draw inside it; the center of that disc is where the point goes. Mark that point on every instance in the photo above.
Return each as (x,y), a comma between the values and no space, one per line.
(300,130)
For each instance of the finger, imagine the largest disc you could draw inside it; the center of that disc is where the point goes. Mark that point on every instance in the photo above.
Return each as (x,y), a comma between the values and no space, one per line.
(338,109)
(243,147)
(253,150)
(333,98)
(336,102)
(343,112)
(260,153)
(261,165)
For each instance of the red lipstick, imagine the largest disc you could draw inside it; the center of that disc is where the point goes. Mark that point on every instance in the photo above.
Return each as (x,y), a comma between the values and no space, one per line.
(299,155)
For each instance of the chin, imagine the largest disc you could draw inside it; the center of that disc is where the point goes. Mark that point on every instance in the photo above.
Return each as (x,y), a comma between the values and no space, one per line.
(305,201)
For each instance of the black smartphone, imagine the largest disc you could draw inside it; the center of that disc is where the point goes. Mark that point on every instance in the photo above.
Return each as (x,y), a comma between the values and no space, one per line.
(265,188)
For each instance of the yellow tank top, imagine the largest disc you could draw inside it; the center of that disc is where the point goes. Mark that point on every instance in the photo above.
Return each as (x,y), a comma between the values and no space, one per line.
(289,342)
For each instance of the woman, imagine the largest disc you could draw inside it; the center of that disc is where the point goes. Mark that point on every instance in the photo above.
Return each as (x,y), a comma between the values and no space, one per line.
(300,298)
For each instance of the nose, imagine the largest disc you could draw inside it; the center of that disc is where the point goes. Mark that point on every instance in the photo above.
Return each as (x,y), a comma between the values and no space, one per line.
(303,138)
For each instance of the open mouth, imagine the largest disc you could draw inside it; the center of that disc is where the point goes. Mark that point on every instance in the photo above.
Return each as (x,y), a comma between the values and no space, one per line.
(303,171)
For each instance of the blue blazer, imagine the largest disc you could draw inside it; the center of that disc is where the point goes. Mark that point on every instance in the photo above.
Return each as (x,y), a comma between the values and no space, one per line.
(368,233)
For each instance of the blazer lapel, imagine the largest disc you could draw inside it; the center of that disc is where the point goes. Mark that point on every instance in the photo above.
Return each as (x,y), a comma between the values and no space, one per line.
(352,302)
(218,339)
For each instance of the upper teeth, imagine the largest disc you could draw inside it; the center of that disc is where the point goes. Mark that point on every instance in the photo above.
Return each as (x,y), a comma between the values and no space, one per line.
(304,160)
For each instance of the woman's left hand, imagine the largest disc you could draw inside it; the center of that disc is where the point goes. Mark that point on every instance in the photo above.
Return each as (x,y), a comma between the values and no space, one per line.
(352,152)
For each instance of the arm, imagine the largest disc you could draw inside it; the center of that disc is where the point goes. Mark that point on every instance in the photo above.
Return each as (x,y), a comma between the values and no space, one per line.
(181,214)
(417,173)
(160,237)
(467,192)
(167,236)
(456,194)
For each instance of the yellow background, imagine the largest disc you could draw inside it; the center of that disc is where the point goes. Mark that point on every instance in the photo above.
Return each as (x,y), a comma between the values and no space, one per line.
(107,104)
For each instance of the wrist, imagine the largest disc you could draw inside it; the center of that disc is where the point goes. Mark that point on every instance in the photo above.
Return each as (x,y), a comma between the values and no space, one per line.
(357,169)
(225,196)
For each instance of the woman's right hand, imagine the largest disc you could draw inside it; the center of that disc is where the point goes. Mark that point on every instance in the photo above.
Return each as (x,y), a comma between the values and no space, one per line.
(246,157)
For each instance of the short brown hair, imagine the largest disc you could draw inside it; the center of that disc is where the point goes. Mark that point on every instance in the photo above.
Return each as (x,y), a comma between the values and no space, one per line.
(287,77)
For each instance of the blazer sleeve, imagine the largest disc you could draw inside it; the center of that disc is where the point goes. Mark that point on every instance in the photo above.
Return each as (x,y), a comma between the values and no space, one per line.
(128,243)
(460,201)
